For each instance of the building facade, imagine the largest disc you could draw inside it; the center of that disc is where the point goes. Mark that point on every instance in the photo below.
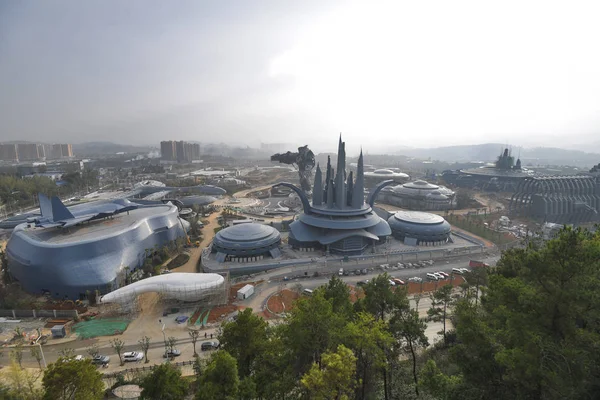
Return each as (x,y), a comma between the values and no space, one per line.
(419,195)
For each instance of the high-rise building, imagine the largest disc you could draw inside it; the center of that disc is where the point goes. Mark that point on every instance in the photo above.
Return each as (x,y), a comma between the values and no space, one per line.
(66,150)
(8,152)
(168,150)
(28,152)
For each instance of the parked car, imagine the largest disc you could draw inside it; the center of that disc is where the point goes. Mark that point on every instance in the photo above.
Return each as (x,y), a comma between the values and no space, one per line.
(398,281)
(464,270)
(415,279)
(457,271)
(432,277)
(364,271)
(212,345)
(132,356)
(440,276)
(392,283)
(341,272)
(307,292)
(445,275)
(361,283)
(172,353)
(100,360)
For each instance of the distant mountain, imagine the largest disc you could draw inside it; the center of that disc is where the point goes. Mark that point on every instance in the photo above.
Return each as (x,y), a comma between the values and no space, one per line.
(489,152)
(105,148)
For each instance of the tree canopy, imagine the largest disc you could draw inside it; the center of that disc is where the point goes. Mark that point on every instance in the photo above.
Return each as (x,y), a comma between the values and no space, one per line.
(70,379)
(164,383)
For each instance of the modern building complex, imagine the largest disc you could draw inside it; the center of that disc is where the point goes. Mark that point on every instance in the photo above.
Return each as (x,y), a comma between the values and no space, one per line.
(338,220)
(34,152)
(558,199)
(374,177)
(419,228)
(246,243)
(179,151)
(67,258)
(505,175)
(419,195)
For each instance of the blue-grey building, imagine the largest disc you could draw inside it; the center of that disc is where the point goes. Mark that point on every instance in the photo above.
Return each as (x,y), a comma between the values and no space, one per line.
(338,220)
(93,255)
(419,228)
(246,243)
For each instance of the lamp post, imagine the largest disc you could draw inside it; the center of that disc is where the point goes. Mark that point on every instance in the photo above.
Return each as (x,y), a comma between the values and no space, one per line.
(42,352)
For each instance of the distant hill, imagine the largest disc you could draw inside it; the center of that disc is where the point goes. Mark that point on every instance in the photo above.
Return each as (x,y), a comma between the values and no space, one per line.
(490,151)
(105,148)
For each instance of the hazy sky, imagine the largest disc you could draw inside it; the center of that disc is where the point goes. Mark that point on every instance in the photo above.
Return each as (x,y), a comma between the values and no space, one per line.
(385,73)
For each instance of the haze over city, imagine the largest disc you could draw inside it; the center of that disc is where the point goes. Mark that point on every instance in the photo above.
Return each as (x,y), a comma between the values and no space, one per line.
(416,74)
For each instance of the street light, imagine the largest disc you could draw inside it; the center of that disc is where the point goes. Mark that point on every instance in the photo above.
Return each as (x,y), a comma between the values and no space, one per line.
(42,352)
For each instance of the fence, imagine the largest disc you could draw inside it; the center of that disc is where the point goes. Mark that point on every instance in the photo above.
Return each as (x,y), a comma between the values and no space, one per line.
(39,313)
(143,369)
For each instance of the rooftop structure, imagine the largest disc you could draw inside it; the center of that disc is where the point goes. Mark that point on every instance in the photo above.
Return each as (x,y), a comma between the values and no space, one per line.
(95,255)
(419,228)
(246,242)
(419,195)
(558,199)
(374,177)
(338,220)
(505,175)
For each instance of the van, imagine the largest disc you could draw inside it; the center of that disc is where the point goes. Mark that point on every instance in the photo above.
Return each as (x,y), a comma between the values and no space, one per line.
(307,292)
(432,277)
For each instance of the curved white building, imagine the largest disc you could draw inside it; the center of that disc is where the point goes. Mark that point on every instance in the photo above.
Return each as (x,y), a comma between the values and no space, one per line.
(178,285)
(419,195)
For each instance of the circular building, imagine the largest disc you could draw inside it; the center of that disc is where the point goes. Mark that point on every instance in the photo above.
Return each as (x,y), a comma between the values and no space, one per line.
(374,177)
(419,195)
(246,243)
(419,228)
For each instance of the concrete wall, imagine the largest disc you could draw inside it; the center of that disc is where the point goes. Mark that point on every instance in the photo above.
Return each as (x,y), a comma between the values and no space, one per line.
(39,313)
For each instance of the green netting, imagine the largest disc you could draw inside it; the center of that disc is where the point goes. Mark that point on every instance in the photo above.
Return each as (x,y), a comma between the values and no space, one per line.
(100,327)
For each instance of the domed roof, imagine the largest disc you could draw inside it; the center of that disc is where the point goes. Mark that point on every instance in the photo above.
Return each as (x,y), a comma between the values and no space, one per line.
(436,195)
(420,184)
(383,171)
(418,217)
(246,232)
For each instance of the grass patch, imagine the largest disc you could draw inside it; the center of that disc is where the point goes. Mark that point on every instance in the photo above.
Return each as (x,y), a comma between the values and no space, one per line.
(178,261)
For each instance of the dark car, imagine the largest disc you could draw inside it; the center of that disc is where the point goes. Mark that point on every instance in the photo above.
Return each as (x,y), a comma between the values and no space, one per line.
(212,345)
(100,360)
(172,353)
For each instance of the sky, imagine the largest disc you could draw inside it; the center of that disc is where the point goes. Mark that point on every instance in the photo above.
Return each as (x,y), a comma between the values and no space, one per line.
(386,74)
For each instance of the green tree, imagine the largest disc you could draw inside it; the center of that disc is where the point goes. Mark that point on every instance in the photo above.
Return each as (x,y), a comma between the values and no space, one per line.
(334,379)
(536,332)
(145,346)
(194,335)
(117,345)
(245,338)
(311,329)
(408,330)
(69,379)
(379,298)
(338,293)
(220,378)
(438,312)
(171,343)
(17,354)
(368,338)
(164,383)
(22,384)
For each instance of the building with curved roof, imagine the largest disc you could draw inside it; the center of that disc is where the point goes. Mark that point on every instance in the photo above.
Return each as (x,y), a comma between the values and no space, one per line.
(178,285)
(338,220)
(374,177)
(246,243)
(419,228)
(92,255)
(419,195)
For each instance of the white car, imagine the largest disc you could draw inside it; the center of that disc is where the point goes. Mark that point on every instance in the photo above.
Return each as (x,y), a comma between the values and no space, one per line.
(341,272)
(392,283)
(457,271)
(433,277)
(130,356)
(415,279)
(445,275)
(464,270)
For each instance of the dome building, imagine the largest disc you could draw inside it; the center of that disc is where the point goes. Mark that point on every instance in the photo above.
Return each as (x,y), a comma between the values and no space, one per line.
(374,177)
(338,220)
(419,195)
(419,228)
(246,243)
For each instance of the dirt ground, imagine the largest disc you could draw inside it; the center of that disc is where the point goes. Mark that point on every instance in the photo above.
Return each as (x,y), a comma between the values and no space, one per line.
(220,312)
(282,301)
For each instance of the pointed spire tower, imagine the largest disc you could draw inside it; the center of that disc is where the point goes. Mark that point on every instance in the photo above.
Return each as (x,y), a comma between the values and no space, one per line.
(318,188)
(340,184)
(358,196)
